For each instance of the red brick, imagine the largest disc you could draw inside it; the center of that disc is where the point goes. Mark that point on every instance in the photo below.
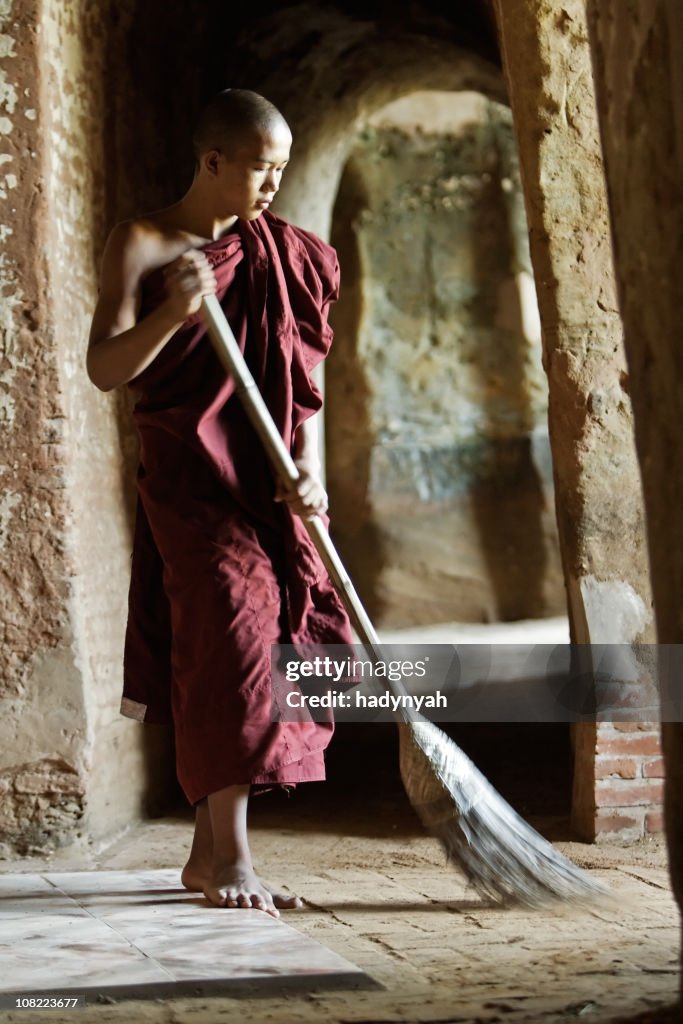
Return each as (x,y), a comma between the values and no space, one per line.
(631,743)
(617,823)
(654,821)
(654,769)
(612,793)
(623,768)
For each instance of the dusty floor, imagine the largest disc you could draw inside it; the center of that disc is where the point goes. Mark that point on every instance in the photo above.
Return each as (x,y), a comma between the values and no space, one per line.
(379,893)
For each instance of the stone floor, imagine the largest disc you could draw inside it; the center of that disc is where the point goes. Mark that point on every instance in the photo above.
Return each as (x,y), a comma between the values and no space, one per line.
(379,895)
(139,935)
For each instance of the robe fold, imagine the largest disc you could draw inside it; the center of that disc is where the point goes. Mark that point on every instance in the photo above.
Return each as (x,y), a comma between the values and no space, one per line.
(220,571)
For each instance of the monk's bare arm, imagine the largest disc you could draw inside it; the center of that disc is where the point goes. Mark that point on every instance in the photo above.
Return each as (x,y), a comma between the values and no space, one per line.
(305,451)
(119,348)
(308,498)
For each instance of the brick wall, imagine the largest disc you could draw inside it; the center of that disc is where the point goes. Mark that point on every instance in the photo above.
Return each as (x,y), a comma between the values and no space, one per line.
(629,781)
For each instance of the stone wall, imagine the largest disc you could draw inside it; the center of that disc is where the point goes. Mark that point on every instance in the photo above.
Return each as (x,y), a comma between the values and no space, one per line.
(64,749)
(41,786)
(437,449)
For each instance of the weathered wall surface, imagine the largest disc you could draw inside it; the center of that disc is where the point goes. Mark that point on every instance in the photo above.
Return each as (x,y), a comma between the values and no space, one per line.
(638,49)
(638,60)
(438,461)
(74,52)
(597,479)
(64,536)
(43,724)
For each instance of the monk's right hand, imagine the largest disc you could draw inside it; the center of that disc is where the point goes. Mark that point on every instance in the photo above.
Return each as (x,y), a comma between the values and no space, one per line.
(187,280)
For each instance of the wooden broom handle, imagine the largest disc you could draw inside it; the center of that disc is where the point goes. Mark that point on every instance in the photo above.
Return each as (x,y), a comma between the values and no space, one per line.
(228,352)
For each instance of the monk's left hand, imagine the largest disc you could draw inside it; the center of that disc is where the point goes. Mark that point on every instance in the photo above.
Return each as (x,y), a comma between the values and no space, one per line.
(308,497)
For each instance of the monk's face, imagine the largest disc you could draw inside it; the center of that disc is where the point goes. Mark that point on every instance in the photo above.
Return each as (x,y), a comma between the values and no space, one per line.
(248,173)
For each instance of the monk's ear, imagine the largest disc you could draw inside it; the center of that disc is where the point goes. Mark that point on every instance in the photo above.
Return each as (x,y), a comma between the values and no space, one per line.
(211,161)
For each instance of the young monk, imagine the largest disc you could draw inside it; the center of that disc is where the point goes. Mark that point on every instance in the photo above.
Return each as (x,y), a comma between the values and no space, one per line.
(222,565)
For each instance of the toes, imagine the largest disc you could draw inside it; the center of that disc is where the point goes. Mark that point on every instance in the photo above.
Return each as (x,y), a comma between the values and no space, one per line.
(250,901)
(264,901)
(285,901)
(261,898)
(231,898)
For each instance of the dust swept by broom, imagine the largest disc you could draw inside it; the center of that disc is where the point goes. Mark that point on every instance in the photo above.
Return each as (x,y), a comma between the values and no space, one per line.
(502,857)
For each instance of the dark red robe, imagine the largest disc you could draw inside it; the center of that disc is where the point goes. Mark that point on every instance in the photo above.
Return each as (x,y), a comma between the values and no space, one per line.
(220,571)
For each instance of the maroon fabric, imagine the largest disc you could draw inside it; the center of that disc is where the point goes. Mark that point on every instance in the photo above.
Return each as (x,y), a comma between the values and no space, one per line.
(220,571)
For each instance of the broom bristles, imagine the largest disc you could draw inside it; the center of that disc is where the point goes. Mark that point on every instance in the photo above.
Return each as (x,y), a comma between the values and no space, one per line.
(502,856)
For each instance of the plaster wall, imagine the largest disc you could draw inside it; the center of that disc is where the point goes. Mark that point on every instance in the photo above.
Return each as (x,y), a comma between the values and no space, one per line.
(64,537)
(74,51)
(42,725)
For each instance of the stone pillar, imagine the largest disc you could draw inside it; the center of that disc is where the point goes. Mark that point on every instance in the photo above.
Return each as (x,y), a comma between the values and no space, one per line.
(638,61)
(69,764)
(547,64)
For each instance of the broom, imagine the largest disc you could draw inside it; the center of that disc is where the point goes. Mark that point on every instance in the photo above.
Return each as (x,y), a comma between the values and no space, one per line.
(500,854)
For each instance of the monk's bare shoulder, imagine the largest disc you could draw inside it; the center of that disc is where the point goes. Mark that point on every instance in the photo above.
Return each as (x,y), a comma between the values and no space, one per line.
(140,245)
(134,249)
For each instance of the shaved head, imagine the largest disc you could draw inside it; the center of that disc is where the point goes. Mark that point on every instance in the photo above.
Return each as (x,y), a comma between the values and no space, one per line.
(233,116)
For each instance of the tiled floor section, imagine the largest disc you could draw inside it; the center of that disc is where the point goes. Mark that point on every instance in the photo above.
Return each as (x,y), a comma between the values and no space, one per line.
(140,934)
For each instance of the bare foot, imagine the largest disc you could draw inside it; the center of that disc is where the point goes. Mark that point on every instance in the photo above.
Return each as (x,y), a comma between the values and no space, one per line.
(220,838)
(236,885)
(195,876)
